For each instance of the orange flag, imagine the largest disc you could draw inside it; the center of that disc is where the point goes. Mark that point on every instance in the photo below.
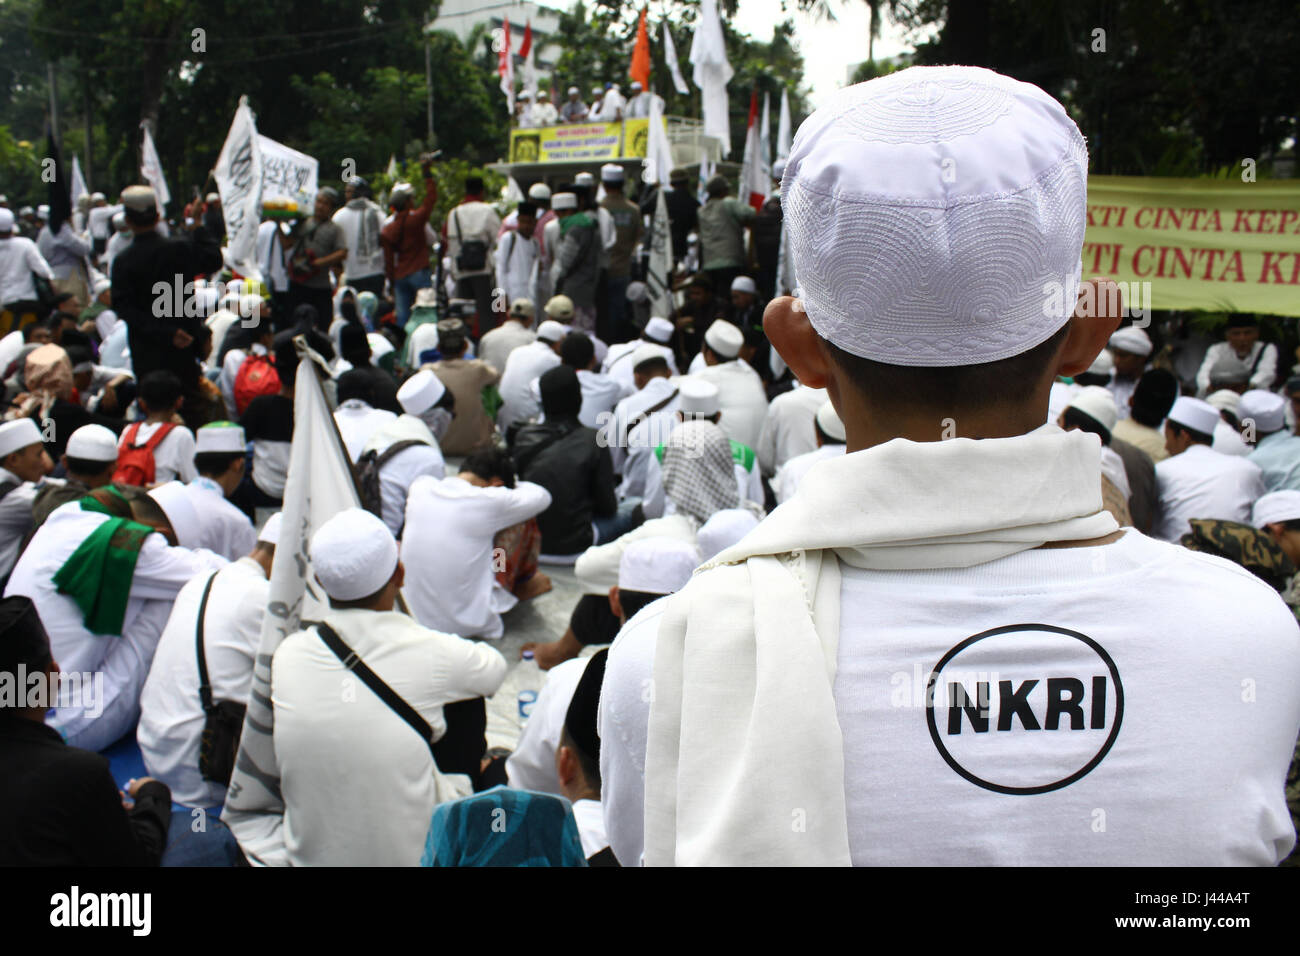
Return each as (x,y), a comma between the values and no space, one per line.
(640,68)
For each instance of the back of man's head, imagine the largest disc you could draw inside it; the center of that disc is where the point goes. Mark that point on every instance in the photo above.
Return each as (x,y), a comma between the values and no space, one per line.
(356,384)
(577,351)
(491,463)
(160,390)
(473,186)
(1155,394)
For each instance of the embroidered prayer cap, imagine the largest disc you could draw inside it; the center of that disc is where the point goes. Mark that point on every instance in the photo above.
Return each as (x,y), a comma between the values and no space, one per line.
(659,565)
(420,392)
(1131,340)
(658,330)
(580,718)
(220,437)
(1195,414)
(645,353)
(178,506)
(354,555)
(1098,404)
(936,216)
(92,443)
(522,309)
(23,639)
(270,533)
(564,201)
(744,284)
(17,435)
(550,330)
(1103,364)
(612,173)
(1225,400)
(1276,507)
(829,421)
(724,338)
(698,396)
(724,529)
(1266,410)
(559,307)
(139,198)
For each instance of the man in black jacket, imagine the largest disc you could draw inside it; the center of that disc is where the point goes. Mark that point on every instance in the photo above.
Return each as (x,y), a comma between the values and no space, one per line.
(163,331)
(59,805)
(564,457)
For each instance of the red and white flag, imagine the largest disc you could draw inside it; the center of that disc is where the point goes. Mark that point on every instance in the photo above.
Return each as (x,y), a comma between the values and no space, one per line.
(530,65)
(754,179)
(506,68)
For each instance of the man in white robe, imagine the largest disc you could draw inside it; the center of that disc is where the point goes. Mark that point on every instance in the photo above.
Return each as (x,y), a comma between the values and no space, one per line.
(24,463)
(741,395)
(220,456)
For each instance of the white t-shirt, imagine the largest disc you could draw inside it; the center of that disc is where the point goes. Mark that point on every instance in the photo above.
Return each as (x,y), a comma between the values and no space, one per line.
(1158,720)
(1202,483)
(174,456)
(357,422)
(224,529)
(600,394)
(365,256)
(532,764)
(526,363)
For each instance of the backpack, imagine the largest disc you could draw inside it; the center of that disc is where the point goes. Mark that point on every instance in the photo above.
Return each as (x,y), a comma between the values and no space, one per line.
(135,463)
(368,467)
(256,376)
(473,253)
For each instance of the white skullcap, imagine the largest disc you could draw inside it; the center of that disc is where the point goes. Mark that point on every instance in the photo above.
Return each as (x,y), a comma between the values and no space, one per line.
(656,565)
(645,353)
(698,396)
(596,91)
(43,210)
(559,307)
(1132,340)
(930,209)
(723,529)
(724,338)
(658,330)
(828,420)
(744,284)
(612,173)
(563,201)
(1195,414)
(636,85)
(1103,364)
(17,435)
(379,346)
(539,191)
(525,95)
(213,197)
(92,443)
(551,331)
(354,555)
(574,90)
(6,219)
(102,283)
(270,533)
(220,437)
(139,198)
(1097,403)
(1276,506)
(584,179)
(420,392)
(178,506)
(778,169)
(98,197)
(1266,410)
(401,189)
(1225,400)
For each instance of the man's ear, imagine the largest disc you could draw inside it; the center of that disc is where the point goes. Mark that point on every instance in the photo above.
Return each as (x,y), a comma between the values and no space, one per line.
(1098,312)
(399,576)
(614,604)
(787,327)
(566,765)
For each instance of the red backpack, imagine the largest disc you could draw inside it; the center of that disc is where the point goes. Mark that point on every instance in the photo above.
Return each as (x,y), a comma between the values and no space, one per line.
(135,463)
(256,376)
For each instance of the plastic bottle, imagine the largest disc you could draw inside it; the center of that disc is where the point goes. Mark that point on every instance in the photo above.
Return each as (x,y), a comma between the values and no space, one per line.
(528,677)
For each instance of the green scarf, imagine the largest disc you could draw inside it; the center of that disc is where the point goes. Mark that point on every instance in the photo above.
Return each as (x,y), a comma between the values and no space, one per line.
(98,575)
(578,219)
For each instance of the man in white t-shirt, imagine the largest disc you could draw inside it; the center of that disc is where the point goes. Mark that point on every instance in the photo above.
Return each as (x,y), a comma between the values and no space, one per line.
(516,331)
(828,432)
(944,652)
(524,366)
(360,219)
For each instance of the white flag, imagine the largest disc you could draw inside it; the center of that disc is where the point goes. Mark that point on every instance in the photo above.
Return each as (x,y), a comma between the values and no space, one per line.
(712,74)
(707,169)
(152,171)
(670,55)
(239,182)
(512,192)
(319,486)
(659,270)
(392,170)
(783,133)
(78,187)
(658,160)
(765,145)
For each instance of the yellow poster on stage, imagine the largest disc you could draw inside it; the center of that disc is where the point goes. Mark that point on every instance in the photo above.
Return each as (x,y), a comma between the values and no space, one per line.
(580,142)
(1214,244)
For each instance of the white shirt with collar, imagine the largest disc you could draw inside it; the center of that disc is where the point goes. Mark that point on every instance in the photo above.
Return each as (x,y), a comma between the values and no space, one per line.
(171,714)
(15,518)
(618,361)
(788,428)
(532,764)
(622,427)
(160,573)
(357,422)
(1262,359)
(19,258)
(495,347)
(600,393)
(591,826)
(1202,483)
(400,472)
(359,784)
(742,399)
(225,529)
(526,363)
(174,456)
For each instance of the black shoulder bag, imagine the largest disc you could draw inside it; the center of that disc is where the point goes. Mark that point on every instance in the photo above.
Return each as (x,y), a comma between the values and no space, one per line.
(224,720)
(472,256)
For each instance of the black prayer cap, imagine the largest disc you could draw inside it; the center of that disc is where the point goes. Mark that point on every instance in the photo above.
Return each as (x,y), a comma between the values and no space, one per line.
(22,635)
(580,719)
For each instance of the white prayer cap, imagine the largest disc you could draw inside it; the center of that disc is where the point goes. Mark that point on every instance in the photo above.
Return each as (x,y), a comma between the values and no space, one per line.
(724,338)
(1097,403)
(563,201)
(92,443)
(220,437)
(1276,506)
(420,392)
(98,197)
(744,284)
(1266,410)
(119,221)
(1131,340)
(525,95)
(698,396)
(574,91)
(596,91)
(1225,400)
(645,353)
(828,420)
(17,435)
(539,191)
(559,307)
(139,198)
(401,189)
(102,283)
(636,84)
(1103,364)
(522,309)
(659,330)
(1195,414)
(6,220)
(551,331)
(270,533)
(584,179)
(656,565)
(612,173)
(43,210)
(178,506)
(354,555)
(723,529)
(778,169)
(897,191)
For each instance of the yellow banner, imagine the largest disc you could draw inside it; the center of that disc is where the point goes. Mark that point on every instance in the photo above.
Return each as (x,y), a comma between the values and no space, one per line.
(580,142)
(1220,245)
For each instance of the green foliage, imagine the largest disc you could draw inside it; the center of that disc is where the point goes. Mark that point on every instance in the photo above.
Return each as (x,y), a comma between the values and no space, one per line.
(449,176)
(20,170)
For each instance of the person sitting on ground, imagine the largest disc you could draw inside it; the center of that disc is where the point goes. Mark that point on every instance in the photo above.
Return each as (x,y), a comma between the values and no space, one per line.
(525,365)
(24,463)
(516,331)
(829,432)
(600,393)
(160,448)
(1148,405)
(88,463)
(220,456)
(356,416)
(466,379)
(407,448)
